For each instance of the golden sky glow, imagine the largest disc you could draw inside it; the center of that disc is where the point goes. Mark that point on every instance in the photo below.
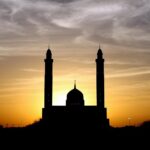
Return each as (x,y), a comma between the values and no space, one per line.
(74,30)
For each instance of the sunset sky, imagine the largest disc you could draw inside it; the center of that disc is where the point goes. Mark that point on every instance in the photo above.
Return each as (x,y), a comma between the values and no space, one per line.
(74,29)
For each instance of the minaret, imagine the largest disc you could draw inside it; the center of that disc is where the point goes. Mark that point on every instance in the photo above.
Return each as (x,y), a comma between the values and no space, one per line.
(100,78)
(48,91)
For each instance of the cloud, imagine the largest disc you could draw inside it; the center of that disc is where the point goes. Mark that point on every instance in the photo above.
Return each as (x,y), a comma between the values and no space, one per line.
(31,70)
(113,22)
(57,1)
(61,1)
(122,75)
(129,72)
(121,25)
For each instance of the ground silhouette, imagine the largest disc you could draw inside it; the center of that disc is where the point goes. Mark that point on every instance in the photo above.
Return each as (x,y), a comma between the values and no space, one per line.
(37,134)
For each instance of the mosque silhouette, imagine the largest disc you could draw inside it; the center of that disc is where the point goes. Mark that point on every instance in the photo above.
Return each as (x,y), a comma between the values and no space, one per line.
(75,113)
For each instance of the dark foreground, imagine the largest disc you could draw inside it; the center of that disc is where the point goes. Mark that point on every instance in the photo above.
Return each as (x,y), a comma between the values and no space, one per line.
(75,138)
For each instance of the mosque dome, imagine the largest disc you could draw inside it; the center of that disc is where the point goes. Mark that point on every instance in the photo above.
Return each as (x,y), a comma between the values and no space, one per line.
(75,98)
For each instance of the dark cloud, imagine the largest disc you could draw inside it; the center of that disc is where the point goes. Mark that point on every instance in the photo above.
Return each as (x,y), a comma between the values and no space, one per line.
(62,1)
(141,22)
(57,1)
(128,27)
(30,23)
(113,22)
(4,8)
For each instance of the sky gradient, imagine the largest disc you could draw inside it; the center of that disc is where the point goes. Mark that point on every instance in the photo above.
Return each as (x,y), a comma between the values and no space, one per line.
(74,29)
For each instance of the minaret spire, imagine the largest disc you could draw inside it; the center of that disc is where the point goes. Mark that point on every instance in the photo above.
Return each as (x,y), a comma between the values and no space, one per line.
(74,84)
(99,46)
